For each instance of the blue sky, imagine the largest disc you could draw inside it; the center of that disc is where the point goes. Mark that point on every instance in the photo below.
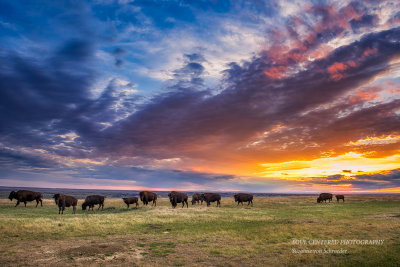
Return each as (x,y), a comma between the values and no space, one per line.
(267,96)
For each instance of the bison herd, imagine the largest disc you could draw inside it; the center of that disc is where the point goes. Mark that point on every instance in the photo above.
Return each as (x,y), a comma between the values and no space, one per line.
(63,201)
(328,196)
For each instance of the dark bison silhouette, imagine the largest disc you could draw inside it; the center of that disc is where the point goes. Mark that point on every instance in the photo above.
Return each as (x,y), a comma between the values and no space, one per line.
(131,200)
(211,197)
(178,197)
(63,201)
(196,198)
(338,197)
(324,197)
(25,196)
(90,201)
(146,197)
(242,197)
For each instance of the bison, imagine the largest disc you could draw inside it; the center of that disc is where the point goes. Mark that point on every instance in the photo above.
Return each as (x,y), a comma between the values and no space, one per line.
(338,197)
(146,197)
(131,200)
(25,196)
(242,197)
(211,197)
(90,201)
(196,198)
(63,201)
(178,197)
(324,197)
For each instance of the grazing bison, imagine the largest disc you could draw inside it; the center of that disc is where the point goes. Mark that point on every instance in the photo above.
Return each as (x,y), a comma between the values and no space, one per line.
(211,197)
(25,196)
(146,197)
(63,201)
(242,197)
(324,197)
(338,197)
(131,200)
(196,198)
(178,197)
(90,201)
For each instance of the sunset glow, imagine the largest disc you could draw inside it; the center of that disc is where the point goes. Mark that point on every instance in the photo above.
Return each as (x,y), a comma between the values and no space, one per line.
(221,96)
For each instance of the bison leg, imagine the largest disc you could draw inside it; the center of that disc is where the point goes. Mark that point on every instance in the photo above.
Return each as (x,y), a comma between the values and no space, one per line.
(219,203)
(41,202)
(25,203)
(17,203)
(74,208)
(187,205)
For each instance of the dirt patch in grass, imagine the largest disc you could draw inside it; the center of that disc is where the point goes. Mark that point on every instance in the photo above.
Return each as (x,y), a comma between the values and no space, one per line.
(385,216)
(92,250)
(127,251)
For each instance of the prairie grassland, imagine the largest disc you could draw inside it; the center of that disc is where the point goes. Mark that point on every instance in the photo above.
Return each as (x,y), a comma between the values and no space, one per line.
(266,234)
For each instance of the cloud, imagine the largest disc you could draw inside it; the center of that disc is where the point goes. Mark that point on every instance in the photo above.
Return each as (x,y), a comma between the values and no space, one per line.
(261,88)
(381,180)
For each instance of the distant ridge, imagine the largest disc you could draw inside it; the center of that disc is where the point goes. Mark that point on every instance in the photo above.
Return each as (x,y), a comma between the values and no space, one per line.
(82,193)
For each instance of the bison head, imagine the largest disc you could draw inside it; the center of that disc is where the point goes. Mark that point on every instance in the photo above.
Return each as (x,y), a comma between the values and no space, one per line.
(12,195)
(56,198)
(236,198)
(319,200)
(84,206)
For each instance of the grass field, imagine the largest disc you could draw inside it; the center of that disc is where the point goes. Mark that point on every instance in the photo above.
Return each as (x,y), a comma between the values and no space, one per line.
(266,234)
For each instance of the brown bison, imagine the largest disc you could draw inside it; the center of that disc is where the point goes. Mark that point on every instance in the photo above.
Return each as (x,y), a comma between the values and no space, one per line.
(131,200)
(90,201)
(196,198)
(146,197)
(324,197)
(211,197)
(178,197)
(242,197)
(25,196)
(338,197)
(63,201)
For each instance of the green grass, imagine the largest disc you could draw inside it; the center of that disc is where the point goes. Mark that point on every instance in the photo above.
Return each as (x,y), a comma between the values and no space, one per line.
(256,236)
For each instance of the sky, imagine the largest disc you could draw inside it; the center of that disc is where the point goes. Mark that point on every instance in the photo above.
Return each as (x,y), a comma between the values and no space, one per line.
(257,96)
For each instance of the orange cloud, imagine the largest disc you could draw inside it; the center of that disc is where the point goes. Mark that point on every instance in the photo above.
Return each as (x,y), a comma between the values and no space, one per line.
(369,51)
(276,72)
(336,69)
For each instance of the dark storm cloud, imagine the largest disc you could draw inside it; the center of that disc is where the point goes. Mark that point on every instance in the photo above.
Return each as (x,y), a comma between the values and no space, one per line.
(17,160)
(253,102)
(37,94)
